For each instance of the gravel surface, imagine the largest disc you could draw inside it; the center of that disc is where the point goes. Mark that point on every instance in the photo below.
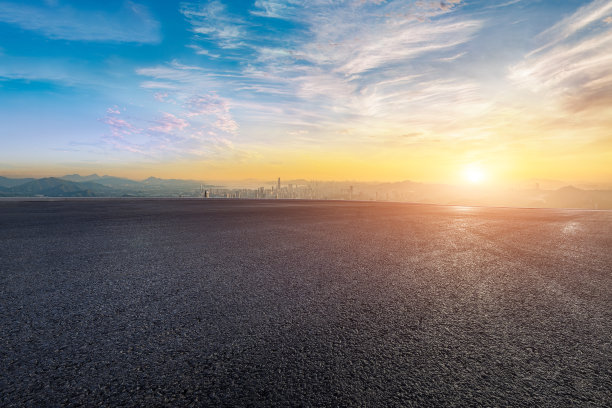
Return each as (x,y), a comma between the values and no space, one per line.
(296,303)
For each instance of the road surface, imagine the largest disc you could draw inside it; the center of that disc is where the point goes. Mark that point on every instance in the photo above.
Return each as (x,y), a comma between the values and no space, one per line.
(297,303)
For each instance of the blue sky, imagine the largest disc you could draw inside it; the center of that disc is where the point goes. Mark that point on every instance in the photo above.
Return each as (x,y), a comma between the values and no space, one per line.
(254,88)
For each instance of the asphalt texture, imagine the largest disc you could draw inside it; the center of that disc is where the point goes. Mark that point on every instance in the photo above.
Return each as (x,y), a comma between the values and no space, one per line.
(296,303)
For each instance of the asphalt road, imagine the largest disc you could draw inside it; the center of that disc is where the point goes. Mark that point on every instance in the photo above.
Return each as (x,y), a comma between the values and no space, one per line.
(295,303)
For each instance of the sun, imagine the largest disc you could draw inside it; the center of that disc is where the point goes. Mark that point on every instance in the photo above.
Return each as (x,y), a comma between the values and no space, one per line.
(474,174)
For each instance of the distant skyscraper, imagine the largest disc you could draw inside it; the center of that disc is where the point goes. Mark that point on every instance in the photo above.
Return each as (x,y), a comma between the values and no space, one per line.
(278,189)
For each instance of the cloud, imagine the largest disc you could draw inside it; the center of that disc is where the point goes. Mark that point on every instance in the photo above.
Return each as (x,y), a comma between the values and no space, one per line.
(506,4)
(122,145)
(345,65)
(575,63)
(160,97)
(576,22)
(212,106)
(187,83)
(169,123)
(363,62)
(296,9)
(453,58)
(201,125)
(177,76)
(62,71)
(132,23)
(446,5)
(211,20)
(120,127)
(199,105)
(273,8)
(156,85)
(201,51)
(390,46)
(608,20)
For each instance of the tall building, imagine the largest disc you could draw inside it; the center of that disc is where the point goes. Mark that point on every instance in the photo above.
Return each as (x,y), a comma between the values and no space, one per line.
(278,189)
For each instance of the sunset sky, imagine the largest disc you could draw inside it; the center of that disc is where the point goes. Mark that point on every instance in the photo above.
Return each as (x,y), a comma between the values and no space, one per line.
(320,89)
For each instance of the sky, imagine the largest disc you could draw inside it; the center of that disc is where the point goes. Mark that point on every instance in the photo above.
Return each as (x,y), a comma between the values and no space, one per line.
(434,91)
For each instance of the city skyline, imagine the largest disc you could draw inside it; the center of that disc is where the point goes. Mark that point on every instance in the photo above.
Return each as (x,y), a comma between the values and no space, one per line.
(453,92)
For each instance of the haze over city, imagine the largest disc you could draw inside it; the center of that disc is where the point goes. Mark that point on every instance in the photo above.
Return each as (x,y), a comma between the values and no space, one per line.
(447,92)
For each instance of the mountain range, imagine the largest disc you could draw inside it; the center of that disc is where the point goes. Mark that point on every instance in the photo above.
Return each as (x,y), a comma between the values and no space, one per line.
(74,185)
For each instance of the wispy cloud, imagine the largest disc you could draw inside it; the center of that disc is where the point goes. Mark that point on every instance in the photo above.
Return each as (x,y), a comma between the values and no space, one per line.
(132,23)
(61,71)
(273,8)
(120,127)
(340,67)
(157,85)
(212,20)
(296,9)
(506,4)
(372,64)
(201,51)
(212,106)
(176,76)
(401,43)
(445,5)
(169,123)
(574,63)
(576,22)
(160,96)
(202,125)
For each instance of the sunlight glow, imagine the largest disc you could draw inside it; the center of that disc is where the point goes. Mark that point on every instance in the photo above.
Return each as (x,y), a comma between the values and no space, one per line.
(474,174)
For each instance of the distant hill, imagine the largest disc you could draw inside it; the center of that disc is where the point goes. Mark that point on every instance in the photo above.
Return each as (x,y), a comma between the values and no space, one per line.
(117,182)
(10,182)
(77,178)
(54,187)
(109,181)
(75,185)
(154,181)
